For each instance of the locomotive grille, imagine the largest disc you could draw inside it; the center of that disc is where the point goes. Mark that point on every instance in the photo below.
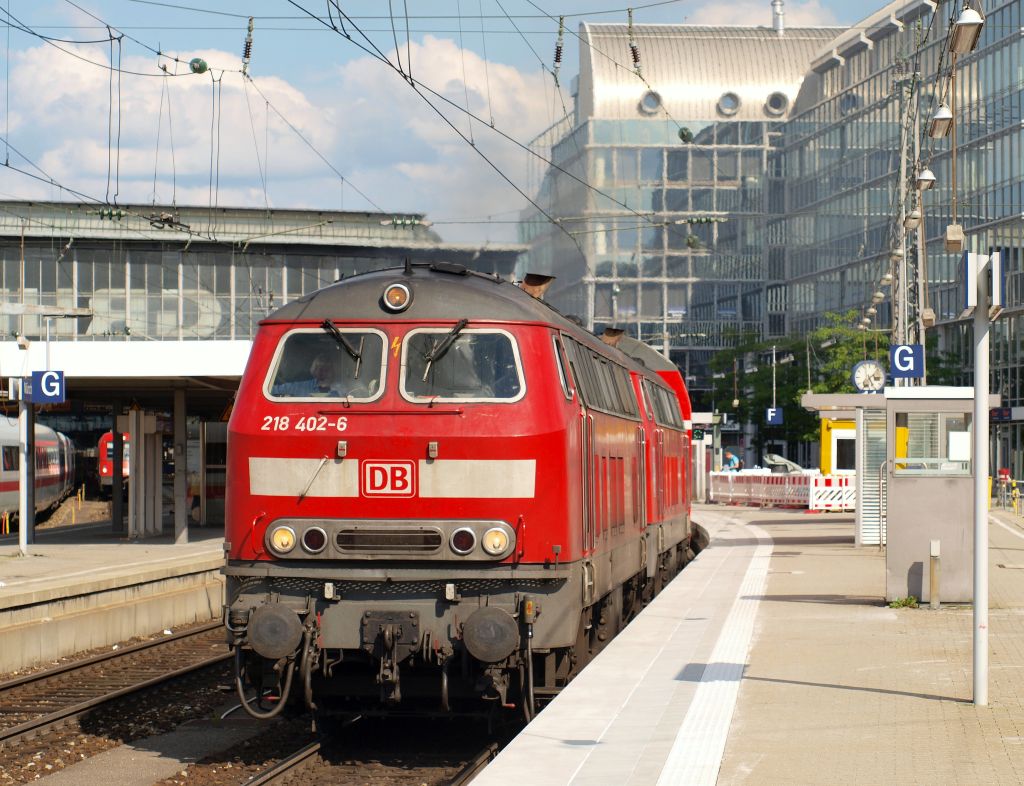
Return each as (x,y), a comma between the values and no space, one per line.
(393,541)
(306,586)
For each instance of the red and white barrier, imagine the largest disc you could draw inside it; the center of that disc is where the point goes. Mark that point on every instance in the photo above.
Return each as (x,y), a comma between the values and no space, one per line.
(756,487)
(833,492)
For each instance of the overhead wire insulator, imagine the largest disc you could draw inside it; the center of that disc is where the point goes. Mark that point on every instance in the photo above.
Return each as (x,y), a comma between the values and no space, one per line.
(558,48)
(247,48)
(634,50)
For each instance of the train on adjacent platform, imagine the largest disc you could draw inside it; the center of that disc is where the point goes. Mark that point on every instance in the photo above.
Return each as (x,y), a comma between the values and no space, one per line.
(444,494)
(54,467)
(105,461)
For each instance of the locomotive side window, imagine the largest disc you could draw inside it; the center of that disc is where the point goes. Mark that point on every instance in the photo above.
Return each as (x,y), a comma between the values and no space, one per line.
(313,363)
(666,410)
(461,365)
(563,372)
(11,458)
(603,384)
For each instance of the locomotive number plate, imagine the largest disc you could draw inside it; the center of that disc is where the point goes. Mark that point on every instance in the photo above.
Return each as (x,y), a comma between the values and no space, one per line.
(304,423)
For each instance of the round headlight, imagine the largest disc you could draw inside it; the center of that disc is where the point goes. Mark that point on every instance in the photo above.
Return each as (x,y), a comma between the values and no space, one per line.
(463,541)
(397,297)
(282,539)
(314,539)
(495,541)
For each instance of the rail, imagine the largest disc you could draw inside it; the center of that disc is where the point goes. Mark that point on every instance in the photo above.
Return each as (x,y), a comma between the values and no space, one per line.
(293,767)
(144,668)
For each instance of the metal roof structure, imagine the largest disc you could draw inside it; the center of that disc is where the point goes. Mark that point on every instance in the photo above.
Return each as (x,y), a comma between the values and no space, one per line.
(693,71)
(241,227)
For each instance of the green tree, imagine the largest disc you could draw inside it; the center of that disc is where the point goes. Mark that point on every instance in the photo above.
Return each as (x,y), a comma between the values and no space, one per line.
(837,346)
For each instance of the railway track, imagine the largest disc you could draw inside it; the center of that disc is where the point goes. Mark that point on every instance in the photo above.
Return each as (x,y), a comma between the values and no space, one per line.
(44,700)
(314,768)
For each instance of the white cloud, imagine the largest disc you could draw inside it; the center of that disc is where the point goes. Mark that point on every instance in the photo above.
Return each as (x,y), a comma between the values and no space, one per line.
(419,159)
(368,123)
(759,13)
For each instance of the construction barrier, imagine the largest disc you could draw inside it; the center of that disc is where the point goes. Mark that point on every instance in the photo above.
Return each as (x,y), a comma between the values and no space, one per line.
(762,488)
(833,492)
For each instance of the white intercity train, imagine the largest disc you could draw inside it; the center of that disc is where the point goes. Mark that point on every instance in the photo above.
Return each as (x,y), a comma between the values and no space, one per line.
(54,464)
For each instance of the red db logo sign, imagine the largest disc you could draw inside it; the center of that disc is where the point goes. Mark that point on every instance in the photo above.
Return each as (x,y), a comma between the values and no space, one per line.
(388,479)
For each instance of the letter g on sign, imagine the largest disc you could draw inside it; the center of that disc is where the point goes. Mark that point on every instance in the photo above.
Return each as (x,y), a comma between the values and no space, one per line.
(906,360)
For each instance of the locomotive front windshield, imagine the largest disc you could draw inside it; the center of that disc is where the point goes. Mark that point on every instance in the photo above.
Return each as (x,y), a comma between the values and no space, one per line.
(328,363)
(476,365)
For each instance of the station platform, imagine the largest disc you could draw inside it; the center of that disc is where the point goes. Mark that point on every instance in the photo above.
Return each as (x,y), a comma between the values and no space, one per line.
(83,587)
(773,658)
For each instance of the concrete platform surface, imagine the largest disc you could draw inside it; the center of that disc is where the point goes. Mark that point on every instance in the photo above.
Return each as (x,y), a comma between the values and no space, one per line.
(153,759)
(55,569)
(87,588)
(773,659)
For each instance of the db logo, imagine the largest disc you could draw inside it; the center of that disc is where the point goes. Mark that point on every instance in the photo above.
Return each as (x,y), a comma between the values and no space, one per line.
(388,479)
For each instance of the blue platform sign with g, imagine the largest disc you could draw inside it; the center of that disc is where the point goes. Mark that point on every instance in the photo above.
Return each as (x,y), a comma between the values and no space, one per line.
(906,361)
(47,387)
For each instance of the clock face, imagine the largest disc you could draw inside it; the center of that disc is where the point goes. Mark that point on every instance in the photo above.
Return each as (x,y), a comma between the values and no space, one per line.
(868,375)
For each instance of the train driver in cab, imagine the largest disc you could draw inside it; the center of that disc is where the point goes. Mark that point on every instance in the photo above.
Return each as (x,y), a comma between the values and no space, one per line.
(323,380)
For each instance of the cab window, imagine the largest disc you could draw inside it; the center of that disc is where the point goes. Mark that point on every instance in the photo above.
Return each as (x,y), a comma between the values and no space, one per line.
(314,364)
(475,365)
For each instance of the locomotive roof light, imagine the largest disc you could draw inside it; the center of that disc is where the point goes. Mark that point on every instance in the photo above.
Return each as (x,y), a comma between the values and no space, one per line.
(282,539)
(397,297)
(495,541)
(463,541)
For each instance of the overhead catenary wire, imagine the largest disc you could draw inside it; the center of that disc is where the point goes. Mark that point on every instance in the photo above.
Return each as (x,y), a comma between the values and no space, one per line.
(487,70)
(420,87)
(165,92)
(216,96)
(255,144)
(164,71)
(465,82)
(599,12)
(416,84)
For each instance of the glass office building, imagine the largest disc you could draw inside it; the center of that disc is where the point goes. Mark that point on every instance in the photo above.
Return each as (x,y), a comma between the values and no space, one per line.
(838,160)
(793,149)
(668,242)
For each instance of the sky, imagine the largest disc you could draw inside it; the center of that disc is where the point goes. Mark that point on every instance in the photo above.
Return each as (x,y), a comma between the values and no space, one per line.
(323,122)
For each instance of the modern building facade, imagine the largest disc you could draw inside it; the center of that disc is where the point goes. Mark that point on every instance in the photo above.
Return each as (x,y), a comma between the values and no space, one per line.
(839,161)
(837,120)
(669,241)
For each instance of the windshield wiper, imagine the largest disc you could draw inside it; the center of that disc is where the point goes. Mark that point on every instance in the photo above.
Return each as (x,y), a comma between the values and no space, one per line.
(439,348)
(356,354)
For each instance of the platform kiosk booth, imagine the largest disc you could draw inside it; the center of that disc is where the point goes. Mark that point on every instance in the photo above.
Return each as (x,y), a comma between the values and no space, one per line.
(929,491)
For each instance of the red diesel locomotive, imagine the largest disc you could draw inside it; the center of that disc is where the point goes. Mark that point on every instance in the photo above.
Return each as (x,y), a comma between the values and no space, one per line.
(442,493)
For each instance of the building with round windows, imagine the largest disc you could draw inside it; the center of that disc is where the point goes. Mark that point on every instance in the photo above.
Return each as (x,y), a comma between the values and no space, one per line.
(669,243)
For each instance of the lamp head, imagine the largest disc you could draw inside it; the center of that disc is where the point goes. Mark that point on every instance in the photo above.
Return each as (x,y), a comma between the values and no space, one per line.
(966,31)
(941,122)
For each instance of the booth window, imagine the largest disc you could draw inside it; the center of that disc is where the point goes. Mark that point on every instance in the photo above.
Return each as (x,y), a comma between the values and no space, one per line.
(933,443)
